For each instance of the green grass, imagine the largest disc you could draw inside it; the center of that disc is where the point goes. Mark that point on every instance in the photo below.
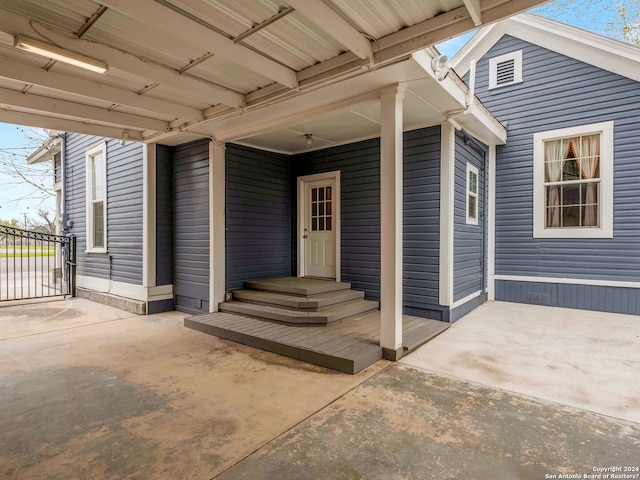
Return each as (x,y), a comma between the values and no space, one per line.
(10,252)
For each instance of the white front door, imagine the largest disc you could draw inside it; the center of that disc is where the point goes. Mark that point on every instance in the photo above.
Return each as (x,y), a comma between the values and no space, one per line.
(320,217)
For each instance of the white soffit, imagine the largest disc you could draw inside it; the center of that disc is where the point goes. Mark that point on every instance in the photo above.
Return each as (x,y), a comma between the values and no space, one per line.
(603,52)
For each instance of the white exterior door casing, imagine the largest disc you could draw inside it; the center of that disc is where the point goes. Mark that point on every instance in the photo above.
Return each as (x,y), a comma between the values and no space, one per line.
(319,225)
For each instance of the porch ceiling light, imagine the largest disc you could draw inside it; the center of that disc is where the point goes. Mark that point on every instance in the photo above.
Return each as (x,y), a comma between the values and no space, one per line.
(308,140)
(51,51)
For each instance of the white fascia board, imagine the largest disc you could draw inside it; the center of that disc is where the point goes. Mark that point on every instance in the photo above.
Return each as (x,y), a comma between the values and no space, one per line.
(477,120)
(159,17)
(45,153)
(593,49)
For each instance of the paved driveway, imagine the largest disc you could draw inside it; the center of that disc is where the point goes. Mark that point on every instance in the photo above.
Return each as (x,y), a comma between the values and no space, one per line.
(88,392)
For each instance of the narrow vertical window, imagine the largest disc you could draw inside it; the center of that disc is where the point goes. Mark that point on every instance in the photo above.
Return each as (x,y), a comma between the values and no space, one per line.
(96,199)
(472,194)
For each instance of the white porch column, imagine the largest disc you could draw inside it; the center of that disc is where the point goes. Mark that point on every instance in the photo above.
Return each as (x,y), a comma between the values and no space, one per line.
(447,179)
(391,221)
(217,225)
(491,247)
(149,215)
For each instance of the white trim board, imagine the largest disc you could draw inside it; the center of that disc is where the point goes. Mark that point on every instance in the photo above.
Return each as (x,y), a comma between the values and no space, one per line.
(335,175)
(569,281)
(602,52)
(125,290)
(605,209)
(466,299)
(447,187)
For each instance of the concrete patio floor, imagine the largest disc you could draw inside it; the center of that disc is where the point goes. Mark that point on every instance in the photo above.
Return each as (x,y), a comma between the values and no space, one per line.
(88,391)
(584,359)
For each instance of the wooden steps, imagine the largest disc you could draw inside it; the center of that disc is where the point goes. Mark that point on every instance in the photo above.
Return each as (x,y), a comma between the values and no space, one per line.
(298,301)
(315,321)
(347,346)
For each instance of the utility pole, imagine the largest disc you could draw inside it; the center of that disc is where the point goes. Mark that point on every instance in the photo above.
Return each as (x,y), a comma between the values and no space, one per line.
(25,219)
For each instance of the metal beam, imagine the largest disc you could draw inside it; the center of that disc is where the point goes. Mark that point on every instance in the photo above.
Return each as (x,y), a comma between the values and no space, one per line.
(334,25)
(170,22)
(444,26)
(78,111)
(14,24)
(92,89)
(41,121)
(473,7)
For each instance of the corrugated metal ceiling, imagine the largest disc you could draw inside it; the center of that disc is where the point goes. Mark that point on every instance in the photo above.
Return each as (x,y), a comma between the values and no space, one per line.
(187,52)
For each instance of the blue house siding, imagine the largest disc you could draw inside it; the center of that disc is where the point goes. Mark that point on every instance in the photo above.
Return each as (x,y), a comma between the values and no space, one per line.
(585,297)
(164,215)
(421,223)
(191,227)
(359,164)
(469,240)
(258,208)
(559,92)
(124,208)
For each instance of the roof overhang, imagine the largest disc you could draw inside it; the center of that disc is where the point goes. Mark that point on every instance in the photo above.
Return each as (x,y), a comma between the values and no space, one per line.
(178,68)
(605,53)
(49,148)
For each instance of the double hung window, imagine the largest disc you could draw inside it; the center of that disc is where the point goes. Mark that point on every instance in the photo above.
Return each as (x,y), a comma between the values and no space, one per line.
(573,176)
(96,199)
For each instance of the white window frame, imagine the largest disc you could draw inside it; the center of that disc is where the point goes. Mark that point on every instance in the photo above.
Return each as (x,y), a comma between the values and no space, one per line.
(101,148)
(471,168)
(605,208)
(517,69)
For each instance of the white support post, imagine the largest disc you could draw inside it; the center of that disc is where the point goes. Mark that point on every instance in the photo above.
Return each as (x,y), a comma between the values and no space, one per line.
(491,247)
(217,225)
(391,108)
(149,215)
(447,178)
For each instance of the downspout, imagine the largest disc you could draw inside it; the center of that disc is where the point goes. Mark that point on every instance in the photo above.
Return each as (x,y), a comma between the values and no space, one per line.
(483,256)
(63,179)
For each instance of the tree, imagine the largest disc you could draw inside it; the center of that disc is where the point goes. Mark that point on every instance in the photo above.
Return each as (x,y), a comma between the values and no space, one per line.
(44,223)
(36,180)
(619,19)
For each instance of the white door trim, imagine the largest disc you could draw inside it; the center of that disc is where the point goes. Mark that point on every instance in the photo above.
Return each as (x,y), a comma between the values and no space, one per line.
(335,175)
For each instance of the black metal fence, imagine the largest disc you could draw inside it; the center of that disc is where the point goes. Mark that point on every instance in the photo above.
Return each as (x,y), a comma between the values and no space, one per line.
(35,265)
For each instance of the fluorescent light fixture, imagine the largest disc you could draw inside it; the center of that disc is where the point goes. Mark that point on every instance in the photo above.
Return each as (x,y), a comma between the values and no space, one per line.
(51,51)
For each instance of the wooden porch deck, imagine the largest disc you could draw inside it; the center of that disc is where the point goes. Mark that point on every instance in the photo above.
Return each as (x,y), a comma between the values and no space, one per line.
(349,345)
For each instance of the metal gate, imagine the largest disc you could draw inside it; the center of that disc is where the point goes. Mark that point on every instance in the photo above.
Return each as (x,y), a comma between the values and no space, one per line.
(35,265)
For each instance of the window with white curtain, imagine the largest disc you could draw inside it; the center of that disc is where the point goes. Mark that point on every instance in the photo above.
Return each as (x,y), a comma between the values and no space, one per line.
(96,207)
(573,182)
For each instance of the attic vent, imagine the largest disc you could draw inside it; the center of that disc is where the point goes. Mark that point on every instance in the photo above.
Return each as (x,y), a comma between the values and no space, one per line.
(505,70)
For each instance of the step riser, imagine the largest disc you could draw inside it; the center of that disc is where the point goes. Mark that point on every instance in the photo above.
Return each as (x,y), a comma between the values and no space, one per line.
(299,317)
(297,303)
(291,286)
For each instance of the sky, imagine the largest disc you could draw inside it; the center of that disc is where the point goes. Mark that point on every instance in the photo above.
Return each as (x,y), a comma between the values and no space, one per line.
(12,206)
(594,15)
